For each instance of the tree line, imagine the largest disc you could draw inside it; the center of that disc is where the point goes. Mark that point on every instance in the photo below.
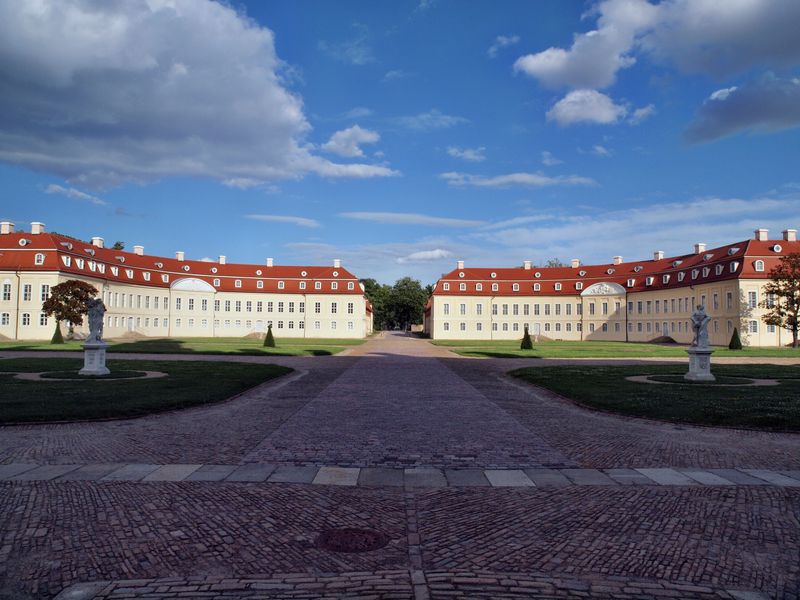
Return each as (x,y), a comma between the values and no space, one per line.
(397,306)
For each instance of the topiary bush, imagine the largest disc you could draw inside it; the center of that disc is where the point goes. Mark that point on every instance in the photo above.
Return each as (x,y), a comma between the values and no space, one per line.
(269,340)
(736,341)
(526,343)
(57,337)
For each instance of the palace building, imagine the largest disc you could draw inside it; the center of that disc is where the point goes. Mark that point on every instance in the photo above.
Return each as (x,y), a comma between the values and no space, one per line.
(637,301)
(153,296)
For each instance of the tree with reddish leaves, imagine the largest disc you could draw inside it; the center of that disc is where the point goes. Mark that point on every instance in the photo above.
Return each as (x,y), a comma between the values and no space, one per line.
(67,302)
(782,295)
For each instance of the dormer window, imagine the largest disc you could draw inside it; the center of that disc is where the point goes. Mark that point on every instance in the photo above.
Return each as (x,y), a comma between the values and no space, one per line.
(238,284)
(558,287)
(446,287)
(216,282)
(720,269)
(708,256)
(495,287)
(129,273)
(334,285)
(336,273)
(665,279)
(732,251)
(648,281)
(582,273)
(515,287)
(160,265)
(681,276)
(92,266)
(537,274)
(637,269)
(303,274)
(537,287)
(350,285)
(115,271)
(706,271)
(675,263)
(186,268)
(101,267)
(631,282)
(79,263)
(260,285)
(214,269)
(695,273)
(578,285)
(38,259)
(120,258)
(777,248)
(67,260)
(146,276)
(610,271)
(258,272)
(734,266)
(67,245)
(462,287)
(165,278)
(478,287)
(89,251)
(317,285)
(759,265)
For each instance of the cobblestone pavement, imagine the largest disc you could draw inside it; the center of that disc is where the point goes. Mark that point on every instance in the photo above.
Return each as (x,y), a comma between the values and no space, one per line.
(484,487)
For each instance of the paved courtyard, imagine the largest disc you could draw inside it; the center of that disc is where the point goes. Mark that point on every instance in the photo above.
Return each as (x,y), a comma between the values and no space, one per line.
(483,486)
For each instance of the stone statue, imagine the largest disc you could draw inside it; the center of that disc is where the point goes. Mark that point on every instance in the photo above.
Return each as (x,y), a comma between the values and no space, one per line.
(700,321)
(96,310)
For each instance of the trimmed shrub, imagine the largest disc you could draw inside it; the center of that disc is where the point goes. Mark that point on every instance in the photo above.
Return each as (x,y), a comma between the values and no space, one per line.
(526,343)
(736,341)
(57,337)
(269,340)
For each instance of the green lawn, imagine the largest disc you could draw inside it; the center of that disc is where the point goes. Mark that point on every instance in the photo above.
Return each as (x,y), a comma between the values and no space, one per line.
(510,349)
(189,383)
(605,388)
(238,346)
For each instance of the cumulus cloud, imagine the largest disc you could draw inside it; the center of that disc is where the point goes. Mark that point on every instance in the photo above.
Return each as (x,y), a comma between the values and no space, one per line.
(355,51)
(549,160)
(513,179)
(359,112)
(768,104)
(468,154)
(104,93)
(586,106)
(394,75)
(392,218)
(641,114)
(429,121)
(425,256)
(346,142)
(599,150)
(299,221)
(74,194)
(500,42)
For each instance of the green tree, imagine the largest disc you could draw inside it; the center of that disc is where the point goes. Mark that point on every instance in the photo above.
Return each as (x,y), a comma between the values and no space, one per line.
(783,295)
(67,302)
(736,341)
(407,302)
(378,296)
(118,245)
(269,339)
(526,343)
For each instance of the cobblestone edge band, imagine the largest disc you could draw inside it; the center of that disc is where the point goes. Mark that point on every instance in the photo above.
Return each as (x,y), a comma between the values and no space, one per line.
(409,478)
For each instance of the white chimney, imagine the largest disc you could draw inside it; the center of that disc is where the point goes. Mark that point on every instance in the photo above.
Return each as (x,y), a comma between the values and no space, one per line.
(526,265)
(37,228)
(762,235)
(460,264)
(789,235)
(222,259)
(575,262)
(337,263)
(269,262)
(179,255)
(6,227)
(97,242)
(658,255)
(699,248)
(138,250)
(617,260)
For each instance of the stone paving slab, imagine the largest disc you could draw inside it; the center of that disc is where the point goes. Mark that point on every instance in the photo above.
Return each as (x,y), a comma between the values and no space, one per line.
(705,477)
(422,477)
(337,476)
(290,474)
(90,472)
(588,477)
(547,477)
(773,477)
(251,473)
(44,473)
(379,476)
(134,472)
(10,470)
(737,477)
(172,473)
(211,473)
(466,477)
(508,478)
(664,476)
(628,477)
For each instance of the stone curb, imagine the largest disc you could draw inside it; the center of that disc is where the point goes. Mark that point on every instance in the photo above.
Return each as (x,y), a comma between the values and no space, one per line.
(409,478)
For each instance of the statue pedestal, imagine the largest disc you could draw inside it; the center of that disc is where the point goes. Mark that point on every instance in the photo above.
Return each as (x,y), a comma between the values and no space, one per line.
(699,365)
(94,359)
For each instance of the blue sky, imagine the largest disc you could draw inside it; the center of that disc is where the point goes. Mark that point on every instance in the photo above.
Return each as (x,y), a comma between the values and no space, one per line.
(402,136)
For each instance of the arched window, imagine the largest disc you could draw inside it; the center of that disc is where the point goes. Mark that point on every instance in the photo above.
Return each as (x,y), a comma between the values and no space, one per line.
(759,265)
(39,259)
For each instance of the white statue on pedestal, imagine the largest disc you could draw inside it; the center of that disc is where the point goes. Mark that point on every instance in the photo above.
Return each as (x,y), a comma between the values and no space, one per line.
(700,350)
(94,348)
(96,310)
(700,321)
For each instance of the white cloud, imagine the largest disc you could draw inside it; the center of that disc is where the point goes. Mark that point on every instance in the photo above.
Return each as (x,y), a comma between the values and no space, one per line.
(299,221)
(599,150)
(242,183)
(346,142)
(511,179)
(430,121)
(394,75)
(209,95)
(641,114)
(468,154)
(74,194)
(355,51)
(392,218)
(500,42)
(768,104)
(595,56)
(517,221)
(549,160)
(423,256)
(359,112)
(585,106)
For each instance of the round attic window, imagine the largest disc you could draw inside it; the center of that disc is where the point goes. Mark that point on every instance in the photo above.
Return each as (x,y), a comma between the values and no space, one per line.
(581,273)
(258,272)
(461,274)
(186,268)
(160,265)
(637,269)
(493,275)
(609,271)
(24,242)
(336,273)
(537,274)
(213,269)
(777,248)
(303,273)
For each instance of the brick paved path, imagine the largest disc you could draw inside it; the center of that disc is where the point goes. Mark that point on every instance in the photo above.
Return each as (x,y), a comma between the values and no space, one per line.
(486,489)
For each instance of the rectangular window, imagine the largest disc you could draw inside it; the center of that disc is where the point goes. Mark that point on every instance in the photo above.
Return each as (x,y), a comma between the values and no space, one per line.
(591,308)
(479,326)
(26,319)
(227,306)
(536,309)
(291,307)
(237,306)
(579,309)
(270,306)
(753,326)
(568,308)
(301,307)
(505,309)
(216,305)
(204,305)
(494,309)
(26,292)
(639,307)
(514,310)
(605,308)
(248,306)
(351,309)
(42,319)
(526,309)
(752,300)
(259,306)
(190,304)
(6,292)
(317,307)
(479,309)
(558,309)
(280,307)
(446,309)
(546,309)
(44,293)
(462,309)
(333,308)
(177,303)
(5,319)
(729,300)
